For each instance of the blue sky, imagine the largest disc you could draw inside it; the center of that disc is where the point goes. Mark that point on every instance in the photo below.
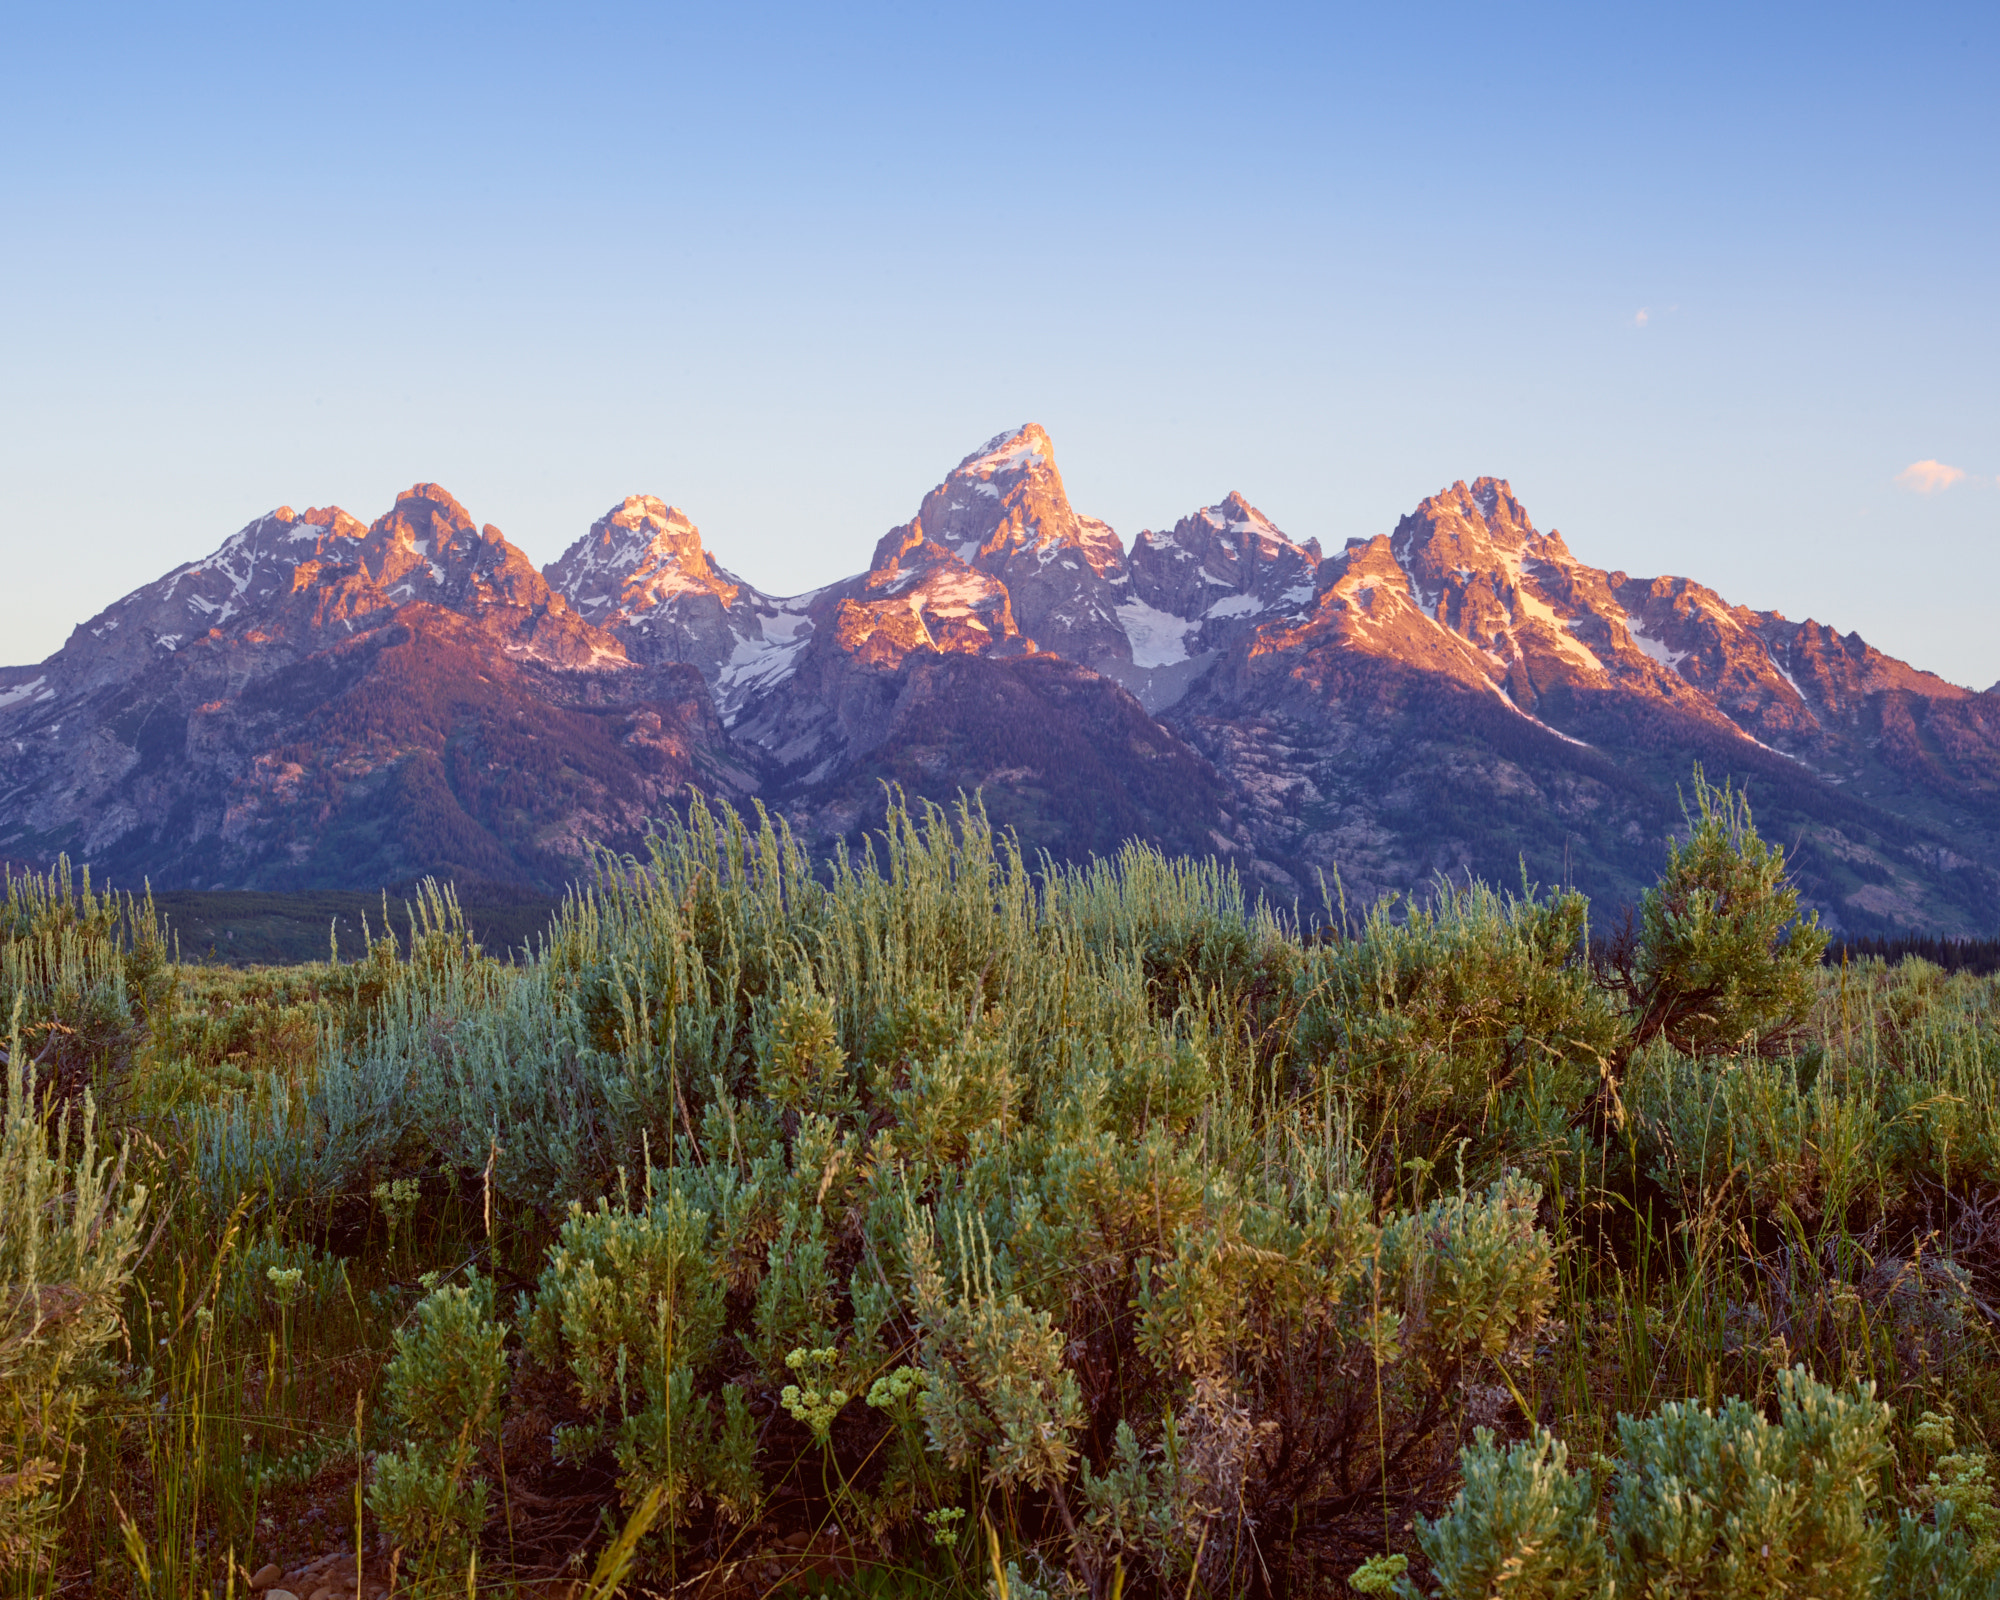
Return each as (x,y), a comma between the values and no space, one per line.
(1703,283)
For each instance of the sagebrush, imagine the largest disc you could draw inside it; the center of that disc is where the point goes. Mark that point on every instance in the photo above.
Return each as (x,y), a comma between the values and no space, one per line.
(939,1221)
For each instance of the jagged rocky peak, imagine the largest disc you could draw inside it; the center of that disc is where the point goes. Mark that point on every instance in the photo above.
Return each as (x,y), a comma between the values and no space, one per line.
(1214,558)
(252,713)
(643,573)
(428,548)
(943,605)
(1365,607)
(1469,532)
(241,585)
(1478,567)
(997,555)
(1238,525)
(331,521)
(412,550)
(1839,673)
(1232,530)
(1008,497)
(641,554)
(289,581)
(1486,510)
(1196,589)
(921,595)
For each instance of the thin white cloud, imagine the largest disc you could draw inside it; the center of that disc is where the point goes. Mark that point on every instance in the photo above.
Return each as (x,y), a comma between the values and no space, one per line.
(1927,477)
(1641,317)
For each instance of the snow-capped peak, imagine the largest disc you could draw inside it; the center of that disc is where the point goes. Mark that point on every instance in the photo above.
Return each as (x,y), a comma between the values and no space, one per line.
(640,554)
(651,514)
(1022,449)
(1235,517)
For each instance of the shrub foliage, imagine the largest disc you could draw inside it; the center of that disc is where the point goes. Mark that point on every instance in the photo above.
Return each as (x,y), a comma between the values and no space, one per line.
(1046,1229)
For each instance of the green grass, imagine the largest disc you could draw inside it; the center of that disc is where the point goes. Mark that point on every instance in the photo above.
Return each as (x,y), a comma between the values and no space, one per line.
(1195,1233)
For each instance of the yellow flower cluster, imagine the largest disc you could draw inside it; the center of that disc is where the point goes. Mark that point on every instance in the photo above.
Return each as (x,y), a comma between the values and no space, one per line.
(812,1405)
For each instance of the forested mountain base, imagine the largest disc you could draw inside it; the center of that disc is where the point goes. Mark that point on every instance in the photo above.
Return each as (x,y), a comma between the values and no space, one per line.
(249,928)
(947,1223)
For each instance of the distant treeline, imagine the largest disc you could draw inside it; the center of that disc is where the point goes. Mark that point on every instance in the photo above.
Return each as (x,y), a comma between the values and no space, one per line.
(241,928)
(1614,946)
(1979,956)
(252,927)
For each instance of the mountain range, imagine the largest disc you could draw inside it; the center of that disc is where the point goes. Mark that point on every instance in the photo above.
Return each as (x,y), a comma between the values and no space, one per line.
(327,704)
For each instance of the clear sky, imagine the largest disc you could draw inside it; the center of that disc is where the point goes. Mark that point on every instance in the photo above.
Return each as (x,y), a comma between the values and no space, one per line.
(1705,283)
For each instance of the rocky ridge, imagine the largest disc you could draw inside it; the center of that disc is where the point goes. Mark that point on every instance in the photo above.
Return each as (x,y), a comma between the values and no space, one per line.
(321,700)
(320,704)
(641,573)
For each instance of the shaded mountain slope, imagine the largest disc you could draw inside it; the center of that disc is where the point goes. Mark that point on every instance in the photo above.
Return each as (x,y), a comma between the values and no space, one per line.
(330,704)
(362,705)
(1070,761)
(1464,695)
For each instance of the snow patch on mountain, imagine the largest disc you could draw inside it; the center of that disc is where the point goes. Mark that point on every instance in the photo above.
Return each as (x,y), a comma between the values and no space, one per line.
(1670,659)
(1786,675)
(1507,700)
(765,659)
(958,593)
(1004,452)
(1540,610)
(1158,638)
(1236,605)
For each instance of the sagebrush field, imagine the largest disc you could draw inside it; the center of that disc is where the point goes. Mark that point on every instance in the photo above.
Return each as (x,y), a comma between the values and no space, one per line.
(943,1222)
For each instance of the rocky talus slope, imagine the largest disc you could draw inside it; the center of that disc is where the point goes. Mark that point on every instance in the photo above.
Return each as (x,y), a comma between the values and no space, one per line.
(323,704)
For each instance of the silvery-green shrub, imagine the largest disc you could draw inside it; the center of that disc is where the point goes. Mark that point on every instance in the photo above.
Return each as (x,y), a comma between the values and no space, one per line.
(1474,1014)
(69,1230)
(629,1308)
(1937,1560)
(444,1388)
(1724,958)
(1726,1505)
(448,1376)
(996,1392)
(1523,1527)
(432,1510)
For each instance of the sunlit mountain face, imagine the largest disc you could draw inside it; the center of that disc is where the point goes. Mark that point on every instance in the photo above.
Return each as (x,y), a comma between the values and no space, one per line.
(323,703)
